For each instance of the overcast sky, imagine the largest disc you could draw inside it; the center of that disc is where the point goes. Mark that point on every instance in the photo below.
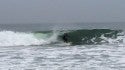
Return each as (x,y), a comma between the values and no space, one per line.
(61,11)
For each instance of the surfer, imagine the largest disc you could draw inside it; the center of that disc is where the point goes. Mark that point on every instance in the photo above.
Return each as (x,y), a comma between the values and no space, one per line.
(65,37)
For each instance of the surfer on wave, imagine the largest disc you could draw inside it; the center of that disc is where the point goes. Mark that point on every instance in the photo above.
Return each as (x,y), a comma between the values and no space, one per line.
(65,37)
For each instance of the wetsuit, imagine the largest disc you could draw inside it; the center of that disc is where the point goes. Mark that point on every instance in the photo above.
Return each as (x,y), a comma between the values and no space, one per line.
(65,37)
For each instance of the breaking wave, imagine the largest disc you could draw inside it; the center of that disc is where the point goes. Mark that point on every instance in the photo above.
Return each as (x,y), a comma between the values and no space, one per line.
(75,37)
(11,38)
(95,36)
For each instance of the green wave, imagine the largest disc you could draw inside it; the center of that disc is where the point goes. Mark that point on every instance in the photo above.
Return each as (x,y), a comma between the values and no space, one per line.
(86,36)
(42,34)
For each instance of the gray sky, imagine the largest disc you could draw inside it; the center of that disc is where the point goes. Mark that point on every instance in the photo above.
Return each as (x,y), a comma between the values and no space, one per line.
(61,11)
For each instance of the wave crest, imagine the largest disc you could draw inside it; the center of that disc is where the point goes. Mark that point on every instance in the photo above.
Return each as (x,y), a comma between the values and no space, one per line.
(11,38)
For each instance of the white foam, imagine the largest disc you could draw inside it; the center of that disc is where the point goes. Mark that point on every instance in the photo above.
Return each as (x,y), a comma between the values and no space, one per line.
(10,38)
(119,39)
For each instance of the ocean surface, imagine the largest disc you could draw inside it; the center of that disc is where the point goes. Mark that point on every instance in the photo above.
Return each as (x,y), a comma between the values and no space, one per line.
(91,46)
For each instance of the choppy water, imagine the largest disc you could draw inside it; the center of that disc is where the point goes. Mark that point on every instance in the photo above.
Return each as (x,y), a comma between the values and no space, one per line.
(87,57)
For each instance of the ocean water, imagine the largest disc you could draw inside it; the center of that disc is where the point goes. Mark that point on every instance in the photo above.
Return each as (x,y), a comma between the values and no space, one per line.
(40,46)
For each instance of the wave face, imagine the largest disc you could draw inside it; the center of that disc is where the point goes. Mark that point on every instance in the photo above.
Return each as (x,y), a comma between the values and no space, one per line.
(75,37)
(94,36)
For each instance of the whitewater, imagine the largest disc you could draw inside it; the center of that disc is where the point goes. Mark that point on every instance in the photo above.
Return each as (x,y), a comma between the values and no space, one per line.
(34,49)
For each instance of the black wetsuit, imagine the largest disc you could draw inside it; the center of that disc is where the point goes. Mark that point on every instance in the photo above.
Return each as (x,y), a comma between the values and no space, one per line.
(65,37)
